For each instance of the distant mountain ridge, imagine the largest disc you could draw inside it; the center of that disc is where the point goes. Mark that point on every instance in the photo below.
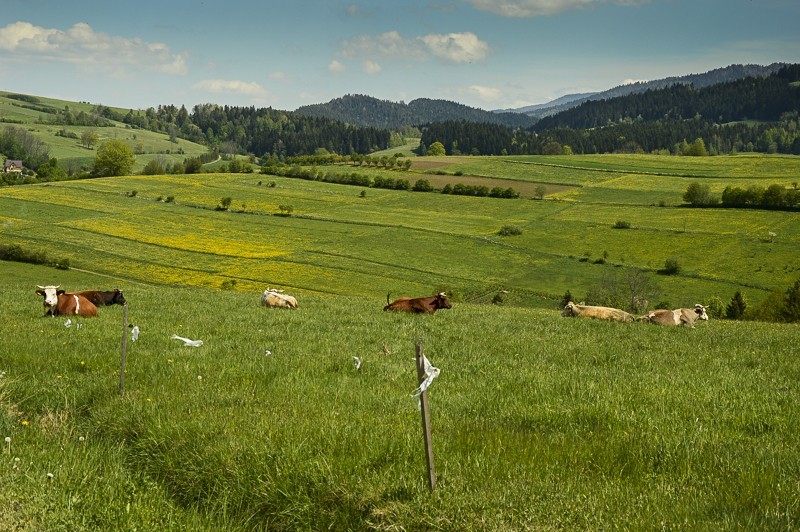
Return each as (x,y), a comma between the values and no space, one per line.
(366,111)
(706,79)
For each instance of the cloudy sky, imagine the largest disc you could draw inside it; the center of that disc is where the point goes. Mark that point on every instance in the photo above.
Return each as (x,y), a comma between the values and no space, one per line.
(491,54)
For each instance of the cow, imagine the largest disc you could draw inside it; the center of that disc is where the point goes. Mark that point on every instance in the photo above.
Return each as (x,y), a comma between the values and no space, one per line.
(58,303)
(272,297)
(418,305)
(599,313)
(680,316)
(102,298)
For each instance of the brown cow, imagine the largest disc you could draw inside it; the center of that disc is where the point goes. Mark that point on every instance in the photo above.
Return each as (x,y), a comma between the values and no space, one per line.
(679,316)
(58,303)
(599,313)
(101,298)
(418,305)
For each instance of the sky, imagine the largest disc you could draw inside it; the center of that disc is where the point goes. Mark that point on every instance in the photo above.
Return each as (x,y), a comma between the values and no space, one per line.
(490,54)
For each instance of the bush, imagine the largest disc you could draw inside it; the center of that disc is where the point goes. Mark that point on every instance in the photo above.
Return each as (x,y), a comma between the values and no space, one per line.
(671,266)
(621,224)
(509,230)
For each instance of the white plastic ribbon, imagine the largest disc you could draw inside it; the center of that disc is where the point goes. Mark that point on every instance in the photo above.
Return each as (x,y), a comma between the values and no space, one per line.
(135,333)
(357,362)
(187,342)
(68,323)
(430,374)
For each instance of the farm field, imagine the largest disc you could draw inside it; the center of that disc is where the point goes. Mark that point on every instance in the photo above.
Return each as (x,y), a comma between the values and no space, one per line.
(337,242)
(539,422)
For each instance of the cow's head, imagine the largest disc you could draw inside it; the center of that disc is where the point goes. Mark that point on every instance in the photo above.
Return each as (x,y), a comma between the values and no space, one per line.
(118,298)
(700,310)
(441,301)
(50,294)
(569,309)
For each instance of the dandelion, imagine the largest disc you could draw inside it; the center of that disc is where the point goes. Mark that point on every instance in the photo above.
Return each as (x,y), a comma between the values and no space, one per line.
(199,377)
(25,422)
(8,442)
(83,362)
(58,376)
(169,361)
(49,476)
(81,439)
(149,399)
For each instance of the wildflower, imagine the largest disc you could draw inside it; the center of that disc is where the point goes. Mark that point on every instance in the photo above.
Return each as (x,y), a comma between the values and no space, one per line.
(25,422)
(169,361)
(49,476)
(357,362)
(8,441)
(199,377)
(58,376)
(81,439)
(83,362)
(149,399)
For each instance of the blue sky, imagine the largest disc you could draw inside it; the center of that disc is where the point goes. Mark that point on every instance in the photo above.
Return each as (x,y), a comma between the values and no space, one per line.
(490,54)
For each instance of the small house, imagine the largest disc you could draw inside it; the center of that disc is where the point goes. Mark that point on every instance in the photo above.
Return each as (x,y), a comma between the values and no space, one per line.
(13,166)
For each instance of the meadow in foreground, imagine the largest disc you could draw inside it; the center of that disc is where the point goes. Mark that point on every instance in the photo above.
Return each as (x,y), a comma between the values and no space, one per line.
(539,421)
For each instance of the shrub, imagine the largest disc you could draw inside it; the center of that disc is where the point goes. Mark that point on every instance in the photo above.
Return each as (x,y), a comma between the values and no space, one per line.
(621,224)
(509,230)
(671,266)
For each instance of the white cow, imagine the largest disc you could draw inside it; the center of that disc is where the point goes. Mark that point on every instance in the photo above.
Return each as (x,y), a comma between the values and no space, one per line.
(272,297)
(678,316)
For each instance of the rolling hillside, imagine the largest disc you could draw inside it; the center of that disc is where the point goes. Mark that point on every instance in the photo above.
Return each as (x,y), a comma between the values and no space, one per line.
(36,113)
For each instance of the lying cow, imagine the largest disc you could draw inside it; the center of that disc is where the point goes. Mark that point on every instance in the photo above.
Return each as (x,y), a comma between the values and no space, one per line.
(272,297)
(58,303)
(418,305)
(102,298)
(679,316)
(599,313)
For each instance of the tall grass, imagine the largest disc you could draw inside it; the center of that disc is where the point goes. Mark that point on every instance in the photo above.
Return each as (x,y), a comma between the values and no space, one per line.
(539,421)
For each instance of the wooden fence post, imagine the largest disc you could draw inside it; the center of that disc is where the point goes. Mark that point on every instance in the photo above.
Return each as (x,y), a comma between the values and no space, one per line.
(426,418)
(124,348)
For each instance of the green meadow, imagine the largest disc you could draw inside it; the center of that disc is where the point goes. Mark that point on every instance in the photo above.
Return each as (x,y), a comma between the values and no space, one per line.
(539,422)
(348,240)
(70,151)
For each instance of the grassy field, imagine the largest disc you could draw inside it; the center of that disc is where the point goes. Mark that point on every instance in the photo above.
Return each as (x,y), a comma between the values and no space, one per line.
(338,242)
(69,151)
(539,422)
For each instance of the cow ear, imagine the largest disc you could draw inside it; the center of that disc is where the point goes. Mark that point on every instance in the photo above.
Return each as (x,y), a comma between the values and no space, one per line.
(40,292)
(59,292)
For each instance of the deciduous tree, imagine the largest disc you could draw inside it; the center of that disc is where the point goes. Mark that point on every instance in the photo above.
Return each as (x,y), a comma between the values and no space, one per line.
(114,157)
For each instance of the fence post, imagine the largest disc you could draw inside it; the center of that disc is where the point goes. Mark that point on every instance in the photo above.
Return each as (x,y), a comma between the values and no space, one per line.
(426,418)
(124,348)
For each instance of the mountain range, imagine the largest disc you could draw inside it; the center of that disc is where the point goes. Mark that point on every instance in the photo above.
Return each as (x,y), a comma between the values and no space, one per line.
(366,111)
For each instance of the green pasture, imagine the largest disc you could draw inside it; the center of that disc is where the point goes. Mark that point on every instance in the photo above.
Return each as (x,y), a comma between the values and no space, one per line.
(337,241)
(147,144)
(539,421)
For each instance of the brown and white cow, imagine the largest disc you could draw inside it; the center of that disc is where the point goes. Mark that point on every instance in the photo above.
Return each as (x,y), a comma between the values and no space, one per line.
(272,297)
(101,298)
(58,303)
(598,313)
(418,305)
(679,316)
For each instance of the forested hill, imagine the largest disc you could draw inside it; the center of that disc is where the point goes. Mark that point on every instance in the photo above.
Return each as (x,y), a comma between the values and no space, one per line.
(705,79)
(751,98)
(366,111)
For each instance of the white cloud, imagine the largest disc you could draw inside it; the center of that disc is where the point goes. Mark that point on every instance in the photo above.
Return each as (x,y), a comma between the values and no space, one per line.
(221,86)
(81,45)
(336,67)
(535,8)
(370,67)
(457,47)
(451,47)
(488,94)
